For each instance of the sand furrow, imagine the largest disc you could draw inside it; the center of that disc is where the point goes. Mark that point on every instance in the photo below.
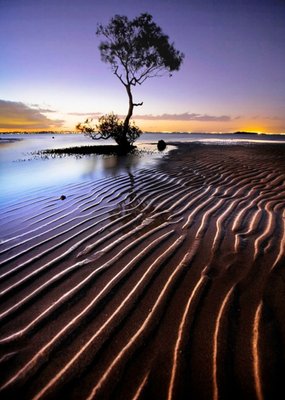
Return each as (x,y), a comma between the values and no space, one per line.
(41,355)
(139,390)
(216,344)
(70,209)
(281,250)
(255,353)
(56,260)
(129,347)
(181,332)
(81,284)
(162,282)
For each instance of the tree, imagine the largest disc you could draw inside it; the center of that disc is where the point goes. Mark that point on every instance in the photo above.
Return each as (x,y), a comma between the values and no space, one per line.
(136,50)
(109,126)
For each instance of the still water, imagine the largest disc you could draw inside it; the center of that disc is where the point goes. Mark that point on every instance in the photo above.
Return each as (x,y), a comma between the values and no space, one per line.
(21,171)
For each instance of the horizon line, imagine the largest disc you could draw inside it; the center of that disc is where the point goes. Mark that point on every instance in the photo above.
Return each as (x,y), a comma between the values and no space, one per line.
(70,131)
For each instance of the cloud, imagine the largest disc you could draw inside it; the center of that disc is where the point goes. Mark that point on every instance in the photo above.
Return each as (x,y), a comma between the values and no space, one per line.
(18,116)
(275,118)
(165,117)
(269,118)
(43,110)
(90,114)
(185,117)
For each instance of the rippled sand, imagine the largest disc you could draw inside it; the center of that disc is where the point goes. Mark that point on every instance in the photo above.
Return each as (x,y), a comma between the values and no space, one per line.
(164,283)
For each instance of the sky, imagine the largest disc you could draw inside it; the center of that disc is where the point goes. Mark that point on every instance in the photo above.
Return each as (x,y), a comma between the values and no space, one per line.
(232,77)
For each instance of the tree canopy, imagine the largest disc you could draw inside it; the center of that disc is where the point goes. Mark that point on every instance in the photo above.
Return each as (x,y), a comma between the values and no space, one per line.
(136,50)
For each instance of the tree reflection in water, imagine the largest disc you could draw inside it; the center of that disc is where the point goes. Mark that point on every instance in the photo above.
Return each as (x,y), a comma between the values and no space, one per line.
(134,199)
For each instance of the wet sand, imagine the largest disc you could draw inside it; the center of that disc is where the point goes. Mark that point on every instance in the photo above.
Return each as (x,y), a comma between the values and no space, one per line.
(163,283)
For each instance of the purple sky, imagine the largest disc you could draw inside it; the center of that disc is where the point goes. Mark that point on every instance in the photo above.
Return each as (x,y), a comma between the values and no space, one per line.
(232,78)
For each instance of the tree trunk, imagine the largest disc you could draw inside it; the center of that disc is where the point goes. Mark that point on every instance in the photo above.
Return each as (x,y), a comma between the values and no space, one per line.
(124,140)
(130,111)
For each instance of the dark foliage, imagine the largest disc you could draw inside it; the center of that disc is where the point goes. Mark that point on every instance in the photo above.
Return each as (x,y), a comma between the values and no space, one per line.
(109,126)
(136,50)
(84,150)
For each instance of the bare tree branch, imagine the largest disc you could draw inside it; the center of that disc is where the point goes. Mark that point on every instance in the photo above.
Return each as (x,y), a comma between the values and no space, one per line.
(119,76)
(98,136)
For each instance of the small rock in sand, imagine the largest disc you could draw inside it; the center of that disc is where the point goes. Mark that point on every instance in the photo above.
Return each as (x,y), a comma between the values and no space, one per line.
(161,145)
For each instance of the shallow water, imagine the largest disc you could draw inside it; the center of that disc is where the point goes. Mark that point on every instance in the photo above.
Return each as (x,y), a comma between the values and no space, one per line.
(21,171)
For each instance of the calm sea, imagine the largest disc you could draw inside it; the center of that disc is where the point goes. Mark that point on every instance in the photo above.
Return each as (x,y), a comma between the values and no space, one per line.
(22,173)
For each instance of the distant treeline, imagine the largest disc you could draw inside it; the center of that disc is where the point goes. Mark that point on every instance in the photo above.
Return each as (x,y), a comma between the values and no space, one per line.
(36,132)
(248,133)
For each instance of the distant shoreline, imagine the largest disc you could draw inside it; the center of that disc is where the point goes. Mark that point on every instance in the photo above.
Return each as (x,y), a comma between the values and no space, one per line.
(153,133)
(8,140)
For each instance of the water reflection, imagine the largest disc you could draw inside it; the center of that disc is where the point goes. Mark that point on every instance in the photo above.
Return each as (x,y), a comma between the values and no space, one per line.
(19,177)
(135,203)
(112,165)
(21,172)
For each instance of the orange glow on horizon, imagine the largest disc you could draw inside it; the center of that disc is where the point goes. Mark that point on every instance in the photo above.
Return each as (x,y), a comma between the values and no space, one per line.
(256,128)
(26,125)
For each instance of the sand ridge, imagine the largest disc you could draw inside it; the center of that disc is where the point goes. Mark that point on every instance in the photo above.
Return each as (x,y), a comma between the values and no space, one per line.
(166,282)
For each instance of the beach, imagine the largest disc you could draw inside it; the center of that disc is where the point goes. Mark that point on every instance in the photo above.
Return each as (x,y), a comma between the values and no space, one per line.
(161,282)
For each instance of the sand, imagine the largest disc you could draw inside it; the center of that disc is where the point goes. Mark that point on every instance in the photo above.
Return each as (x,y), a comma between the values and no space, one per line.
(163,283)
